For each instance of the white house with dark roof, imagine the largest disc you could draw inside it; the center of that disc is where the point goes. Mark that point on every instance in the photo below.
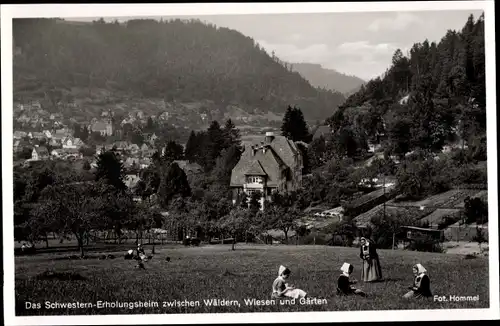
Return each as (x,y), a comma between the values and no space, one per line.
(274,164)
(72,142)
(39,153)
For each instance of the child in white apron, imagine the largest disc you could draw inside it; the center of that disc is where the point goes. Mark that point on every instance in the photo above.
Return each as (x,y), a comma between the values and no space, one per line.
(282,289)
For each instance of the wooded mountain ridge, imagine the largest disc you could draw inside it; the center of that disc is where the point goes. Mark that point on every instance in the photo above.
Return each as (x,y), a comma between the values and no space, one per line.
(329,79)
(173,61)
(428,98)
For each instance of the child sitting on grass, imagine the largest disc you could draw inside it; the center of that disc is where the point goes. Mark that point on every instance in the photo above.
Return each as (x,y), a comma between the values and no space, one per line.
(421,284)
(283,289)
(129,255)
(344,284)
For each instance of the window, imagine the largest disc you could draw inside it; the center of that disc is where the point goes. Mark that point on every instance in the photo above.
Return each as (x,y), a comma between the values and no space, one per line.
(252,191)
(254,179)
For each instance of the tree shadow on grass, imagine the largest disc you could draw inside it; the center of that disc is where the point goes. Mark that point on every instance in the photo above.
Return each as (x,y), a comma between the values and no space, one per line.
(60,276)
(386,280)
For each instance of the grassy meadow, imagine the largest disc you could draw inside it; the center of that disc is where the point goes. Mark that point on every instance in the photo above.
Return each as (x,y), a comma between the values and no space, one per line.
(208,272)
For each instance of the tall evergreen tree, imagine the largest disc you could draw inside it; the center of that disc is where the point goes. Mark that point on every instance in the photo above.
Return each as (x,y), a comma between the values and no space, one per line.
(191,147)
(110,169)
(173,151)
(294,125)
(174,183)
(231,135)
(216,144)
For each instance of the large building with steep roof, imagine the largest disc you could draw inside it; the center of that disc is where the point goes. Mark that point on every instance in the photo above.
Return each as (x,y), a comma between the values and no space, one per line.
(274,164)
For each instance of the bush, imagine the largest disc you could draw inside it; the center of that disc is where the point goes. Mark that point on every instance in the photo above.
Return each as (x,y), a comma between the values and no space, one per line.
(321,239)
(191,242)
(426,244)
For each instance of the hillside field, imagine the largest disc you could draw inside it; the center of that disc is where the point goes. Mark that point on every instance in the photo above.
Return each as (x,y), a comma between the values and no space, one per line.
(208,272)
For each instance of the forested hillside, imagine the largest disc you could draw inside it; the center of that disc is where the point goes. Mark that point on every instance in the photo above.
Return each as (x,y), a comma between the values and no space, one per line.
(328,78)
(181,61)
(432,97)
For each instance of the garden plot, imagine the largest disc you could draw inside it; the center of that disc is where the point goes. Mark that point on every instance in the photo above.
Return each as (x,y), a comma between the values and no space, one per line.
(448,199)
(414,213)
(438,215)
(483,195)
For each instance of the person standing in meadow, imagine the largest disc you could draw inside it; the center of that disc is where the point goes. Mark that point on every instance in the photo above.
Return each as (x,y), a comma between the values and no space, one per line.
(421,285)
(371,270)
(140,252)
(344,283)
(282,289)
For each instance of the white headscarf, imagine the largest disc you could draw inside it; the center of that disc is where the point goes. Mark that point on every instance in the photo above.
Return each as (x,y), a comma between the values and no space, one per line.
(345,269)
(420,269)
(367,243)
(281,270)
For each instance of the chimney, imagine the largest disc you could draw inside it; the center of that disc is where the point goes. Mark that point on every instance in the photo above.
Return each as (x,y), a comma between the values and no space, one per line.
(269,137)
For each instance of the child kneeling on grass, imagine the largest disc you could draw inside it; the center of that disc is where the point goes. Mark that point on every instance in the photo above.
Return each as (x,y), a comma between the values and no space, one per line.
(344,284)
(421,284)
(283,289)
(129,255)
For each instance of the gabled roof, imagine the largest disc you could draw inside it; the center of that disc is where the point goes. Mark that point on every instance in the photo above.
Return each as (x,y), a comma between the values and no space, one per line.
(279,154)
(42,150)
(255,169)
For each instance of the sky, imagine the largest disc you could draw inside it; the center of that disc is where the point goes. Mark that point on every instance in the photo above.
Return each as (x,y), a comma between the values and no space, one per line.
(354,43)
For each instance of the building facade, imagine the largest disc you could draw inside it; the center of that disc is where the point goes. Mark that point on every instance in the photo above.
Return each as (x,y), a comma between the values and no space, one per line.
(274,164)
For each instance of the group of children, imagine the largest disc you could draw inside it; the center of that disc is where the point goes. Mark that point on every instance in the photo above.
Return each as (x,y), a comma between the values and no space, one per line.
(371,272)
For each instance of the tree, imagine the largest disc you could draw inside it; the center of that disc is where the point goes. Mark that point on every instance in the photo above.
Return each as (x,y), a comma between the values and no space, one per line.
(86,166)
(476,211)
(386,226)
(216,143)
(294,125)
(317,153)
(150,125)
(191,147)
(225,163)
(231,136)
(143,219)
(119,209)
(236,222)
(110,169)
(173,184)
(400,137)
(282,212)
(71,208)
(173,151)
(305,158)
(345,143)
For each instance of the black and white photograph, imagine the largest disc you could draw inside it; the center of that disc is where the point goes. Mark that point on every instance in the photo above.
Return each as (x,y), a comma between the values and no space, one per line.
(186,163)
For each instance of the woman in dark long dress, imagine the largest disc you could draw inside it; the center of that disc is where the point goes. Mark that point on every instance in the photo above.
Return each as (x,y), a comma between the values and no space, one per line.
(344,283)
(421,284)
(371,270)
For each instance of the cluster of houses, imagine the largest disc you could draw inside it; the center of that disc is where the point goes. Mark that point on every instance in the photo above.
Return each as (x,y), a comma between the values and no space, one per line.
(62,140)
(33,115)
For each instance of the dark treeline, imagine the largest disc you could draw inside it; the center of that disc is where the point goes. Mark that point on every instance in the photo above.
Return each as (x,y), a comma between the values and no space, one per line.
(433,96)
(174,60)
